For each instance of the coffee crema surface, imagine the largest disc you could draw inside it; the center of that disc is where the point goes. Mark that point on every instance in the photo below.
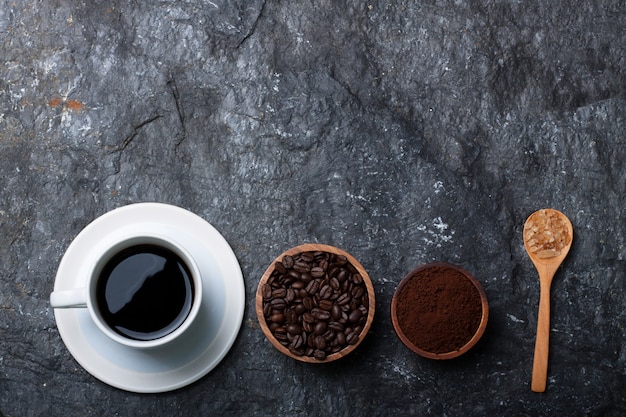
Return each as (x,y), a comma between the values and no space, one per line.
(145,292)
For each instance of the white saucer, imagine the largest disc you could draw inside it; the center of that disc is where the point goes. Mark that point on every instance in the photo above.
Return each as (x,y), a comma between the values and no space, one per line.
(182,361)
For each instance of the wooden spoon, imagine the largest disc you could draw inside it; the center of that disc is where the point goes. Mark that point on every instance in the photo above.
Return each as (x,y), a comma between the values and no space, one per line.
(548,237)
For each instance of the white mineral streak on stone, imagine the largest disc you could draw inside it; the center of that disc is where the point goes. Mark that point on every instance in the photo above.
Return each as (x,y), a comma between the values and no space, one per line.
(400,370)
(355,197)
(436,234)
(440,225)
(514,319)
(276,82)
(4,21)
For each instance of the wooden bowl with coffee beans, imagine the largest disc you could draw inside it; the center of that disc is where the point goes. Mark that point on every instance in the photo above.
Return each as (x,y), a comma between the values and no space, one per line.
(315,303)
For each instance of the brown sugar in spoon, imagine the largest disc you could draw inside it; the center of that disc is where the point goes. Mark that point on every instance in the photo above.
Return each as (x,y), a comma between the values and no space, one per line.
(548,237)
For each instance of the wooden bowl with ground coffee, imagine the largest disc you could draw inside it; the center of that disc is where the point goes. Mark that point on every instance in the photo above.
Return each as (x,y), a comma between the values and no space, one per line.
(315,303)
(439,311)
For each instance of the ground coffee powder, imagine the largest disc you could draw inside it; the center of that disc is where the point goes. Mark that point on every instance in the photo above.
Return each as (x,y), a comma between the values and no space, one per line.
(438,309)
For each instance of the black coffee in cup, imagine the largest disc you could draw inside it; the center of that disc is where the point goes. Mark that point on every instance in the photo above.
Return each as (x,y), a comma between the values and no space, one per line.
(145,292)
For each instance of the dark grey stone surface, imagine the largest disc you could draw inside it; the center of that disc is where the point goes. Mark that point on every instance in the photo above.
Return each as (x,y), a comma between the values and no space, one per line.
(402,132)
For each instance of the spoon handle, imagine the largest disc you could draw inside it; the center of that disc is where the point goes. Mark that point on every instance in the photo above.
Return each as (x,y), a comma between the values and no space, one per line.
(540,361)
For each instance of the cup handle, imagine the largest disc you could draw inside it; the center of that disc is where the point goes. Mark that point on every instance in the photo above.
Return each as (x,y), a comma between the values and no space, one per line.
(68,298)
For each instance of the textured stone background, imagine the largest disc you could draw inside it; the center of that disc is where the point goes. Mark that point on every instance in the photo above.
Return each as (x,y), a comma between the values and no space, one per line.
(403,132)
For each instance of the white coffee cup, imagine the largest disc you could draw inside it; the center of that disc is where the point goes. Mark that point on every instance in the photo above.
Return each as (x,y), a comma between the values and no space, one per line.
(139,246)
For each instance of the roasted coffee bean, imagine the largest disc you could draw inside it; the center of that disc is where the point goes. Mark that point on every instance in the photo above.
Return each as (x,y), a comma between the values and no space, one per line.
(278,303)
(281,337)
(307,257)
(352,338)
(335,312)
(319,354)
(320,327)
(296,352)
(306,277)
(273,326)
(344,317)
(329,335)
(317,272)
(288,281)
(297,342)
(320,314)
(335,284)
(266,291)
(357,278)
(301,267)
(281,330)
(299,309)
(320,342)
(308,318)
(307,327)
(357,292)
(313,287)
(287,261)
(280,267)
(298,284)
(333,271)
(308,303)
(323,263)
(326,292)
(291,316)
(342,275)
(326,305)
(344,298)
(336,326)
(277,318)
(279,293)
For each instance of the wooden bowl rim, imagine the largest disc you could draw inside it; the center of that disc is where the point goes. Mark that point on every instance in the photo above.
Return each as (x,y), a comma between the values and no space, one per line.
(479,331)
(316,247)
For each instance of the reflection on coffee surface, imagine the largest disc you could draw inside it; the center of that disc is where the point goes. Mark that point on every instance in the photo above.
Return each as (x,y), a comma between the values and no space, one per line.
(145,292)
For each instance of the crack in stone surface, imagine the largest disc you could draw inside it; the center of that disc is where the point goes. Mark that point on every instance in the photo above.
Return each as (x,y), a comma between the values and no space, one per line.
(254,25)
(136,130)
(179,109)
